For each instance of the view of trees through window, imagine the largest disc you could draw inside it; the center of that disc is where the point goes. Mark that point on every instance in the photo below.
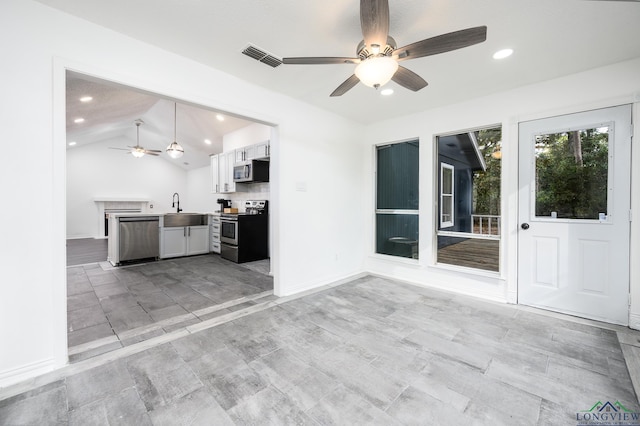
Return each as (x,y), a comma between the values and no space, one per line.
(472,238)
(571,174)
(486,183)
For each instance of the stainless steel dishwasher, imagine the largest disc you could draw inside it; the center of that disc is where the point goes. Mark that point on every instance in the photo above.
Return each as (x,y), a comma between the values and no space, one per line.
(139,237)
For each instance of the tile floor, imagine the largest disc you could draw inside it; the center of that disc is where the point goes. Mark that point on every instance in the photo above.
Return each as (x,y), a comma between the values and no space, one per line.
(120,306)
(372,351)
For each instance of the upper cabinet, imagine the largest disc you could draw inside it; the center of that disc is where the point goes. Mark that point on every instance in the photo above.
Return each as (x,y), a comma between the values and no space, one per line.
(226,173)
(253,152)
(222,165)
(222,173)
(215,174)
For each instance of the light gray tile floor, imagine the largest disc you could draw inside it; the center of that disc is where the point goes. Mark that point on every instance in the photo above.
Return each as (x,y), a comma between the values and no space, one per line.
(372,351)
(104,301)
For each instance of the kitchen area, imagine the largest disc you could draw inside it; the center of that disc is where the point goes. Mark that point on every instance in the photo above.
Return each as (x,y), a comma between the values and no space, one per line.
(187,239)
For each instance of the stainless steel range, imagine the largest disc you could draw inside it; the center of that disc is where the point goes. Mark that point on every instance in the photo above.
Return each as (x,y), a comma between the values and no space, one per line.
(245,236)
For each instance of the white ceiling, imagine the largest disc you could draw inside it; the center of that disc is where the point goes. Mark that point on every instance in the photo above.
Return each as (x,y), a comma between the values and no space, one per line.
(551,38)
(112,112)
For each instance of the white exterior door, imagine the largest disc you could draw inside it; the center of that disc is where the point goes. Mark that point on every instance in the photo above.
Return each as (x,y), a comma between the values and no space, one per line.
(574,212)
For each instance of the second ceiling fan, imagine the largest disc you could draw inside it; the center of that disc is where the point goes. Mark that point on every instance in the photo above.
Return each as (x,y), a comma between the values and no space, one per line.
(378,56)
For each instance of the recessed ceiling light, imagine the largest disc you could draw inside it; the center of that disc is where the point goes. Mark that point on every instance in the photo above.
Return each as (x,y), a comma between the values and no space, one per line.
(207,141)
(78,120)
(72,143)
(86,99)
(386,92)
(504,53)
(220,117)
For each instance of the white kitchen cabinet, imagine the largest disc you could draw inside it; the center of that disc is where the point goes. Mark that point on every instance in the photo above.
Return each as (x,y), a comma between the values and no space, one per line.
(184,241)
(214,224)
(222,173)
(215,174)
(197,240)
(258,151)
(253,152)
(226,162)
(173,242)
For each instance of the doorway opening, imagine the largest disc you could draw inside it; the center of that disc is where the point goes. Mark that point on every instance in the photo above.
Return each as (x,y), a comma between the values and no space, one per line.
(110,307)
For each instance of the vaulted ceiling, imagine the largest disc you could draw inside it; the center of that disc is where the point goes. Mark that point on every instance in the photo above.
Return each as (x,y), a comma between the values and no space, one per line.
(111,113)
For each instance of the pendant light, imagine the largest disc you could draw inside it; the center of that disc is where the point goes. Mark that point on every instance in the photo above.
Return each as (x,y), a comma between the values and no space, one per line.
(175,150)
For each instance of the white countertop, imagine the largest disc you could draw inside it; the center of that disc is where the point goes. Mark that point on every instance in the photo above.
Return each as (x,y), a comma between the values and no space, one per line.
(116,215)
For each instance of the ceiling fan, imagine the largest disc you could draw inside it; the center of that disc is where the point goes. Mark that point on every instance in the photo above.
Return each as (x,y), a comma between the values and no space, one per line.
(378,54)
(138,151)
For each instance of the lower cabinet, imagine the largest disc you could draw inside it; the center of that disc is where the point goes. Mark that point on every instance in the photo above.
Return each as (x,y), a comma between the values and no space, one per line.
(214,246)
(184,241)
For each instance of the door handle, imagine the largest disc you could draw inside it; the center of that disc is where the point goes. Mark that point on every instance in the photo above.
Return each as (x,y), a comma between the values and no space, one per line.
(524,226)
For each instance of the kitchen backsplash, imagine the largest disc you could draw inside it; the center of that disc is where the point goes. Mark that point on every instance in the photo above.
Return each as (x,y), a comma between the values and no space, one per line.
(252,191)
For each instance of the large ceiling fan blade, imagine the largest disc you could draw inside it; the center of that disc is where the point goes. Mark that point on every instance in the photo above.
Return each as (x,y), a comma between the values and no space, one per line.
(311,60)
(151,153)
(374,19)
(346,86)
(121,149)
(152,150)
(409,79)
(442,43)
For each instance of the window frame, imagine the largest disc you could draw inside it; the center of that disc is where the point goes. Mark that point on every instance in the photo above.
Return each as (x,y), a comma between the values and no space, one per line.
(435,211)
(408,212)
(449,223)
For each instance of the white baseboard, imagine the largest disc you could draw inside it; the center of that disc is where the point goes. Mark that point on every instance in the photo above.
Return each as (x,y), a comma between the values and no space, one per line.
(332,282)
(16,375)
(634,321)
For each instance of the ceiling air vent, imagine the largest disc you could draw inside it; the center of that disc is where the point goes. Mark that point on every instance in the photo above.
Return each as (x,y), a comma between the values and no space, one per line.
(262,56)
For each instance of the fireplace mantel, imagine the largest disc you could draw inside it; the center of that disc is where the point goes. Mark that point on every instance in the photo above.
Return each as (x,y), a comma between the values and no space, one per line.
(119,205)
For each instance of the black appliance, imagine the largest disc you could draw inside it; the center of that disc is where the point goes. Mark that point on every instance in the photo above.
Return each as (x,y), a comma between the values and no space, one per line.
(251,171)
(245,236)
(224,204)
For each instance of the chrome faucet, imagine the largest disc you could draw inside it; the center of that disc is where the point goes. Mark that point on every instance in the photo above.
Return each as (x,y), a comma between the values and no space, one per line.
(178,209)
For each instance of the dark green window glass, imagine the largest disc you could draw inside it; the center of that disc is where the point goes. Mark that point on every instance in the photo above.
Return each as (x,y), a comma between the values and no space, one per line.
(397,199)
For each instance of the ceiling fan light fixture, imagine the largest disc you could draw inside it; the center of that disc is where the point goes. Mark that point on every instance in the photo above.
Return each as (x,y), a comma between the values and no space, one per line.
(174,149)
(137,152)
(376,71)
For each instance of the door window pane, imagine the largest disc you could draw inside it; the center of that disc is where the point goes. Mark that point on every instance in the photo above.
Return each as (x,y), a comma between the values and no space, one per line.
(572,174)
(397,199)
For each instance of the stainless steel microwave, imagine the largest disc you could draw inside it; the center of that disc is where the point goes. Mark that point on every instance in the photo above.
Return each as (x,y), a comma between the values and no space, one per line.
(251,171)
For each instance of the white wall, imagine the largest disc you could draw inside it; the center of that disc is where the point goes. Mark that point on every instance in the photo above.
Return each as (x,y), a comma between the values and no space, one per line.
(252,134)
(608,86)
(311,246)
(95,171)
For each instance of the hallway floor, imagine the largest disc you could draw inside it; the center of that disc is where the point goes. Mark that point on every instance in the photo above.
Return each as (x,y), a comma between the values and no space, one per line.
(372,351)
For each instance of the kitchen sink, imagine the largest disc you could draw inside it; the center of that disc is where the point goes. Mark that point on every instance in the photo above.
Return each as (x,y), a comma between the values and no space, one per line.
(172,220)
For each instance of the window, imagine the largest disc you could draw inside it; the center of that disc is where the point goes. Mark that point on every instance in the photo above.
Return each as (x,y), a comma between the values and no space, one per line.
(447,172)
(397,167)
(468,197)
(572,170)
